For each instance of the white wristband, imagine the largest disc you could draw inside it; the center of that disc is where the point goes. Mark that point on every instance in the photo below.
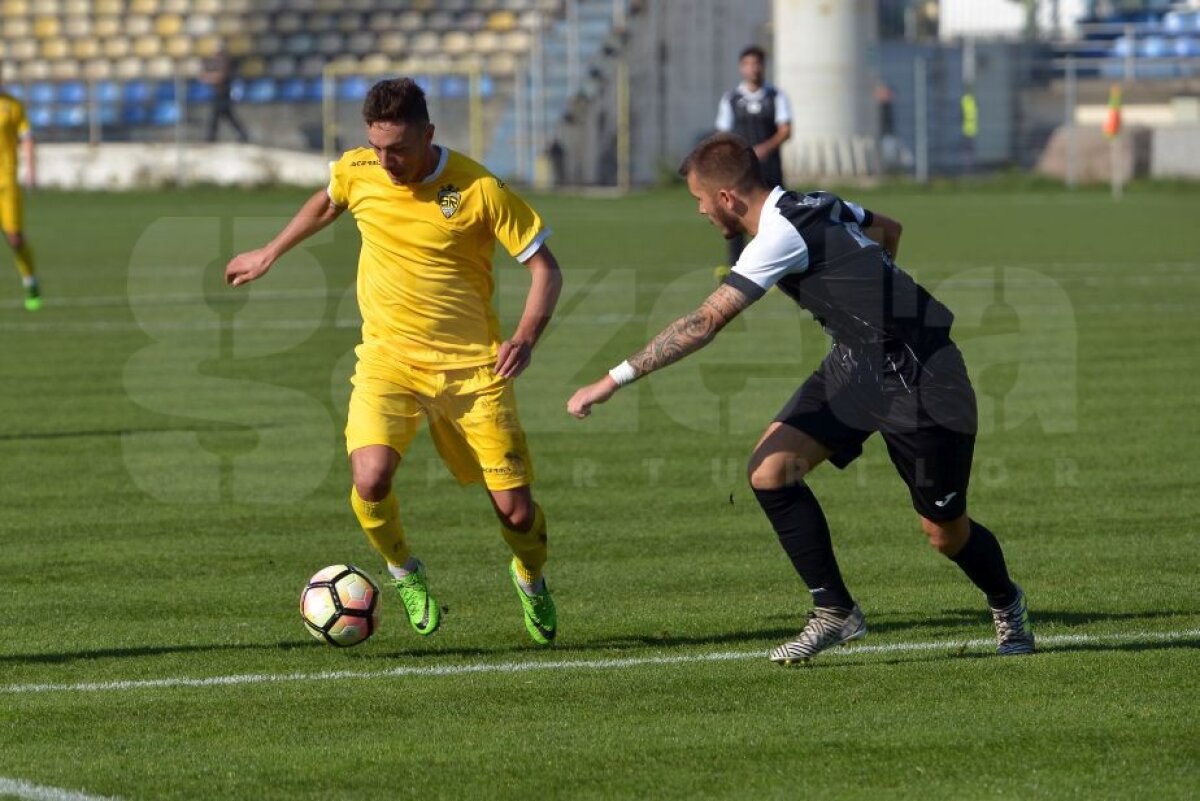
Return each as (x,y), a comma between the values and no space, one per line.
(623,374)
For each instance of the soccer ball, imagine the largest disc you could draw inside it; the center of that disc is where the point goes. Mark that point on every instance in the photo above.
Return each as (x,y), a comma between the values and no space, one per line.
(340,605)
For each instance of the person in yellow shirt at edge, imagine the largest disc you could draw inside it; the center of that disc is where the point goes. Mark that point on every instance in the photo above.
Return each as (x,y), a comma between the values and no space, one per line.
(14,128)
(429,219)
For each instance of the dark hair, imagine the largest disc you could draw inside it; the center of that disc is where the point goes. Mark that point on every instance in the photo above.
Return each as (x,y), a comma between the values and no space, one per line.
(725,161)
(395,100)
(756,51)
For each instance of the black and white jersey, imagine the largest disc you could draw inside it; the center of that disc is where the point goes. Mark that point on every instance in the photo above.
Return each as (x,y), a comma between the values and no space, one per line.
(755,115)
(812,246)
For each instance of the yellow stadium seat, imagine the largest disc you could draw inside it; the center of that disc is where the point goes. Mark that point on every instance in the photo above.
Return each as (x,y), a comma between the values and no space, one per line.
(86,48)
(53,49)
(517,41)
(76,26)
(23,49)
(67,70)
(46,27)
(98,69)
(15,8)
(456,42)
(116,47)
(77,8)
(253,67)
(239,45)
(376,64)
(36,70)
(393,43)
(502,64)
(17,28)
(179,46)
(107,26)
(502,21)
(486,42)
(168,24)
(176,6)
(138,25)
(161,67)
(143,7)
(128,67)
(207,46)
(199,25)
(108,7)
(147,46)
(46,7)
(206,7)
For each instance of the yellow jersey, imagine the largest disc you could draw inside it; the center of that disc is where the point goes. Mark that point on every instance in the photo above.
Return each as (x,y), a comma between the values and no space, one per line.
(13,126)
(425,279)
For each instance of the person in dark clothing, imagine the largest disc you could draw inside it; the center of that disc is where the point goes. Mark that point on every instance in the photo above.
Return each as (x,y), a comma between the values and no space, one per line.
(761,114)
(219,72)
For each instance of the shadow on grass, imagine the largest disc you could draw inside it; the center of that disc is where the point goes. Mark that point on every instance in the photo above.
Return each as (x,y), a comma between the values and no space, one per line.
(148,650)
(965,618)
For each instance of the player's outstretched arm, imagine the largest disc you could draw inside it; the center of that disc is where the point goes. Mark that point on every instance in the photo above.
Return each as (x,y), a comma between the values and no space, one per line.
(515,353)
(685,336)
(317,212)
(886,232)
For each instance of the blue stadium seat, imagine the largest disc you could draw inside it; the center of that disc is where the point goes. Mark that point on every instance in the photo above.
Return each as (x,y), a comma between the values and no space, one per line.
(199,91)
(70,116)
(136,92)
(293,90)
(108,92)
(165,113)
(110,115)
(424,82)
(41,93)
(260,90)
(134,115)
(164,90)
(487,87)
(352,88)
(1187,47)
(16,90)
(41,117)
(453,86)
(72,92)
(1152,47)
(1122,46)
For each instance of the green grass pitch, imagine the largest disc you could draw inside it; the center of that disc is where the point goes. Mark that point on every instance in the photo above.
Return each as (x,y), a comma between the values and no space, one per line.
(171,471)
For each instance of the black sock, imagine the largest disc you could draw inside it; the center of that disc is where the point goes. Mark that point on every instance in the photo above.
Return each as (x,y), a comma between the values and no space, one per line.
(983,562)
(798,520)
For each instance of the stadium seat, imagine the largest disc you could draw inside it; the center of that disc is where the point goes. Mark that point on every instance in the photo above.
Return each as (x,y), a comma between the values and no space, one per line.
(206,46)
(287,22)
(176,6)
(240,45)
(22,49)
(501,21)
(116,47)
(168,24)
(15,8)
(352,88)
(106,26)
(330,44)
(84,49)
(134,115)
(293,90)
(46,27)
(257,24)
(361,43)
(260,90)
(179,46)
(108,92)
(41,117)
(135,92)
(485,42)
(41,93)
(456,42)
(16,28)
(311,65)
(16,90)
(453,86)
(70,116)
(147,46)
(129,68)
(76,26)
(393,43)
(55,49)
(138,25)
(299,43)
(110,8)
(109,115)
(410,21)
(281,67)
(71,92)
(164,91)
(199,91)
(143,7)
(425,42)
(1187,47)
(165,114)
(98,69)
(253,67)
(65,70)
(199,25)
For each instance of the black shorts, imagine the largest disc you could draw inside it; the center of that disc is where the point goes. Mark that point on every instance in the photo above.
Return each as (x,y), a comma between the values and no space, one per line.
(929,428)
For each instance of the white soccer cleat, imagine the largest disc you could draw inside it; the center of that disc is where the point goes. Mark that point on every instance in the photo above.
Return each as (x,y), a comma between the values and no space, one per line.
(826,628)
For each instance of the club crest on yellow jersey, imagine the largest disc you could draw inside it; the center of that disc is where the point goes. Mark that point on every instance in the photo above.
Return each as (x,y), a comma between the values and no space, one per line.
(449,199)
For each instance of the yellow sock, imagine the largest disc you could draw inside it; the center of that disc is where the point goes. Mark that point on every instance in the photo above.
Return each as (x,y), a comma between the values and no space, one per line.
(380,521)
(24,260)
(529,547)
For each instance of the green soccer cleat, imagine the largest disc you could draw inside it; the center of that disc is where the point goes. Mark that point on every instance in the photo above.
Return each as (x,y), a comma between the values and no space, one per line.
(33,298)
(541,619)
(423,611)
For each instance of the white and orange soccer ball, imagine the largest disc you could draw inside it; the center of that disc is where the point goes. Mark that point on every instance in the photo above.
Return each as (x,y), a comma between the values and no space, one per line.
(340,605)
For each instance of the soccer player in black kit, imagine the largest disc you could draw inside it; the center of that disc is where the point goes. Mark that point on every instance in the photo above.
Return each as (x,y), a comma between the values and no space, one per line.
(892,368)
(759,113)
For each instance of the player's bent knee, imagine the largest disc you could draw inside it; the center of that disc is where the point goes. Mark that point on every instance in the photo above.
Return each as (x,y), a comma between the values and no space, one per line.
(372,486)
(15,241)
(514,509)
(946,537)
(775,471)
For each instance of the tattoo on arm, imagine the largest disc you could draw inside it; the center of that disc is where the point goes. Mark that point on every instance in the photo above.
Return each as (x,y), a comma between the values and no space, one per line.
(690,333)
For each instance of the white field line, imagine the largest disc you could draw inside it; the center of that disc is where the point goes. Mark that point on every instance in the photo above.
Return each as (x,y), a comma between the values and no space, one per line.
(15,788)
(565,664)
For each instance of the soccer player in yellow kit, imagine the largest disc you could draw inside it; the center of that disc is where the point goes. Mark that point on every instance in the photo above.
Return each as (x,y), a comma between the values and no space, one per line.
(14,129)
(429,219)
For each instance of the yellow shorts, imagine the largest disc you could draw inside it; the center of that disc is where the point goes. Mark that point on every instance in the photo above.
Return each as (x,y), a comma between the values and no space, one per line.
(472,416)
(11,218)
